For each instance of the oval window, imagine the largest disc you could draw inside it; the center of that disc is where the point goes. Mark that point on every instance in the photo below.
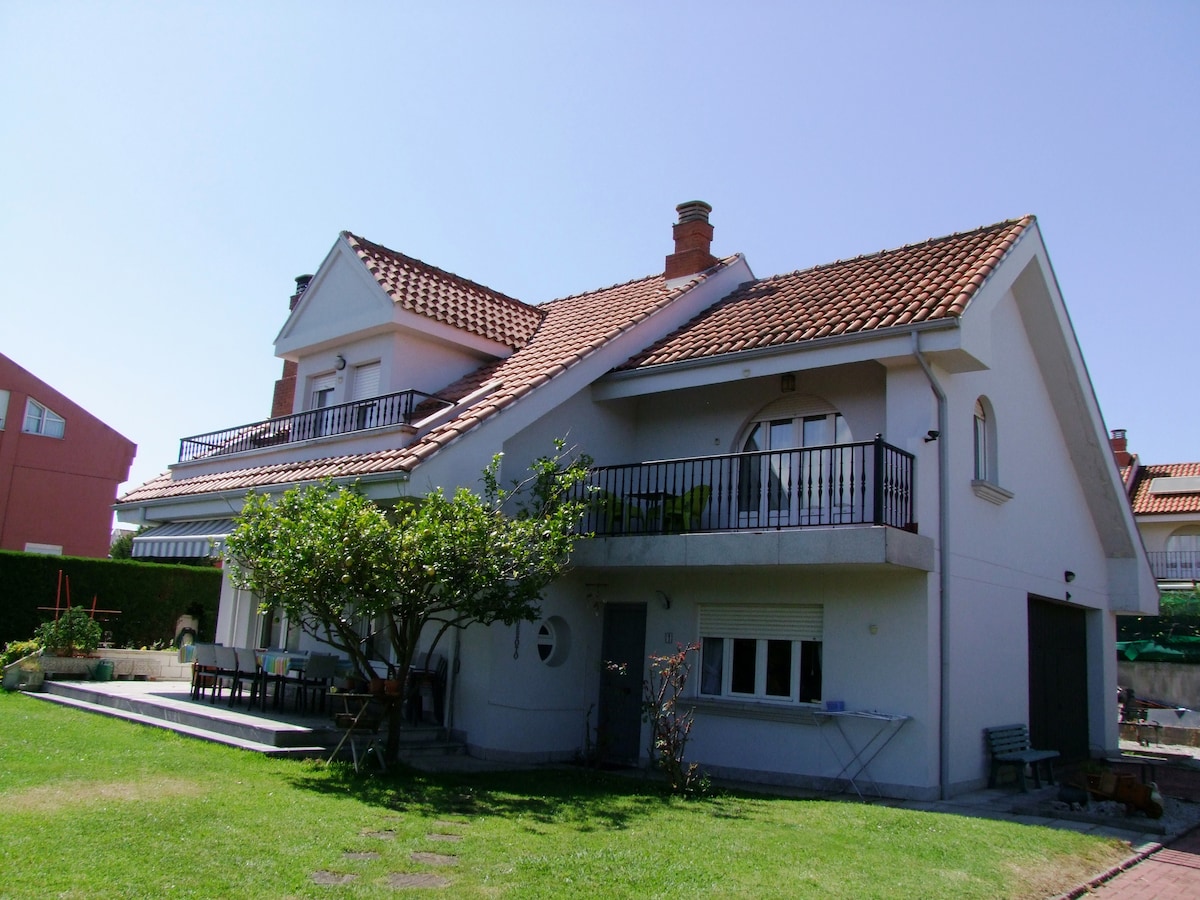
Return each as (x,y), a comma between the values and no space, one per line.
(553,641)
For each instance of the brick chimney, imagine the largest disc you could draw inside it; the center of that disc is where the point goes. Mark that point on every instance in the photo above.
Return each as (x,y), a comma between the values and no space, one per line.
(1118,443)
(693,239)
(285,387)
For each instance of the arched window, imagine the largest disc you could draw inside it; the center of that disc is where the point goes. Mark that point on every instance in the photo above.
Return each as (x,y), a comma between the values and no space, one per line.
(981,442)
(1186,539)
(986,472)
(794,472)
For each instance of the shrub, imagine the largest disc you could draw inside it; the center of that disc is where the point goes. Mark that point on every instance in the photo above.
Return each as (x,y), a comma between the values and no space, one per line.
(671,727)
(15,650)
(74,631)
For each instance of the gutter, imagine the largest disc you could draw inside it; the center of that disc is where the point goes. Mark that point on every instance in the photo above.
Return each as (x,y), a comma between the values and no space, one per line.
(943,575)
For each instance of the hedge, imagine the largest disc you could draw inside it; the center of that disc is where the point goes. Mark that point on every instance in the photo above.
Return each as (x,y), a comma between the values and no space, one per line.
(150,596)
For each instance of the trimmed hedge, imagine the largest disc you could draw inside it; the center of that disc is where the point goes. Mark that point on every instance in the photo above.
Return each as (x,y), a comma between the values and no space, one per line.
(150,596)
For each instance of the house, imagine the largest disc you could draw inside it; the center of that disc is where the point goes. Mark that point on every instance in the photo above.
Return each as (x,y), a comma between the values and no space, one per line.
(876,492)
(60,468)
(1166,506)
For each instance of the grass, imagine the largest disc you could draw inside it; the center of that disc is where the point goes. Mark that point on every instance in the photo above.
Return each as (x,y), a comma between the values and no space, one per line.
(95,807)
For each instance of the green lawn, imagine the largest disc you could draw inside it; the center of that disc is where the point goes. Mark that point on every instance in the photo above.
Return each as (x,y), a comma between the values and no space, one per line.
(94,807)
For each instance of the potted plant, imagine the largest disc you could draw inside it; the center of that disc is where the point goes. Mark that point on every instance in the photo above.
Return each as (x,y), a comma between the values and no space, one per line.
(74,633)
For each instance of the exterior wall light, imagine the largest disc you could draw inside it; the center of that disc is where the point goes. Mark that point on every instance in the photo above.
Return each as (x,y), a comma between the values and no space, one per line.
(339,362)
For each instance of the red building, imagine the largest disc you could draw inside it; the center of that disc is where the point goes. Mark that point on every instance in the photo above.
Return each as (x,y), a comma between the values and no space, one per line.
(60,467)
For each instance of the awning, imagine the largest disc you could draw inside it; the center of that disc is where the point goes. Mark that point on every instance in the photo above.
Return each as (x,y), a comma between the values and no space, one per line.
(183,540)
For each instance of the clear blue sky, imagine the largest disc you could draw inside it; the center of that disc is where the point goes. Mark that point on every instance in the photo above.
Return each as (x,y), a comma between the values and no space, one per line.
(168,168)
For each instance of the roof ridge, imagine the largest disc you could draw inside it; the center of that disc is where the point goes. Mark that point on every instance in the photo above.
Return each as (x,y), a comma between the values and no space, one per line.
(444,273)
(1025,221)
(682,286)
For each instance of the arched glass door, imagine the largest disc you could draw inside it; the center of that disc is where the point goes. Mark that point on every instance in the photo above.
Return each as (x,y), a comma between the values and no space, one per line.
(779,486)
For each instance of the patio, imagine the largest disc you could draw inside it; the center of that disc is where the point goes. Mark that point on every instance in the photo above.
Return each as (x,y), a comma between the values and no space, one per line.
(274,732)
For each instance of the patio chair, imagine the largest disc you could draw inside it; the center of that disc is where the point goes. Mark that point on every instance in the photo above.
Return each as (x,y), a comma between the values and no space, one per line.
(204,665)
(224,672)
(431,675)
(245,668)
(317,675)
(683,513)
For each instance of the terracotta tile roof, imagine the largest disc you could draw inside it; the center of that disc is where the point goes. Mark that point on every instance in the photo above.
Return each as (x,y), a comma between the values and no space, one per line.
(1147,503)
(571,328)
(932,280)
(446,297)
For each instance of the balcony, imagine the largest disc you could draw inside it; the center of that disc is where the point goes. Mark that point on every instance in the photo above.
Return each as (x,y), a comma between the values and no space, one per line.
(402,408)
(867,483)
(1175,565)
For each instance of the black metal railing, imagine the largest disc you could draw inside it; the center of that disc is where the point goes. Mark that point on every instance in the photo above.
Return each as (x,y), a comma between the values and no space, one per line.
(1175,565)
(866,483)
(401,408)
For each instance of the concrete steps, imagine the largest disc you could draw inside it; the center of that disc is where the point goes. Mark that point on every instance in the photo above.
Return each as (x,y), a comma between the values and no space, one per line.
(169,705)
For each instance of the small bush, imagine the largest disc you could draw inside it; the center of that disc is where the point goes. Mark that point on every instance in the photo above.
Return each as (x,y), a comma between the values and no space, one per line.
(15,650)
(72,632)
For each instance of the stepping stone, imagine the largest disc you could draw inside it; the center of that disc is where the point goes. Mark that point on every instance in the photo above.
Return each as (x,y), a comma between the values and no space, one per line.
(434,859)
(444,837)
(360,854)
(416,880)
(382,835)
(324,877)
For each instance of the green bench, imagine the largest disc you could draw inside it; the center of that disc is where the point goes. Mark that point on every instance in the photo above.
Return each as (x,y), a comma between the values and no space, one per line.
(1009,746)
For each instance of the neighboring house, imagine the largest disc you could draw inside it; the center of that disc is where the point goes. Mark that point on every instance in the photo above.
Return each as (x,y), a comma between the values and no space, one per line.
(60,467)
(1166,505)
(880,485)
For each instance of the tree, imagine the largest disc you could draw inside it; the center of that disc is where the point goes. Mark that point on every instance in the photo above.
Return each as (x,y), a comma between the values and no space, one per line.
(330,558)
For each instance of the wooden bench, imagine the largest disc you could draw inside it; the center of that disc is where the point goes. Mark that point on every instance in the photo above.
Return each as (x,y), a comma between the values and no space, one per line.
(1009,746)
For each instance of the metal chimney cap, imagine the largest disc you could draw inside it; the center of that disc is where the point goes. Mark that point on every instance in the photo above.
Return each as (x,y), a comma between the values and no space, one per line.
(693,211)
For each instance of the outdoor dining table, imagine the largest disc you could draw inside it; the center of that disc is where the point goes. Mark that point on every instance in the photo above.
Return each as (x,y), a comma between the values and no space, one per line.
(274,665)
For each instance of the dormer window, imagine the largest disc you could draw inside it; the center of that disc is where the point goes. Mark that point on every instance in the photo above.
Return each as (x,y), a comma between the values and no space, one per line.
(42,420)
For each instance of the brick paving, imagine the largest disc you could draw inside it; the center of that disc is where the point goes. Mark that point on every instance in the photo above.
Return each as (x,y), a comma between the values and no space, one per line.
(1172,873)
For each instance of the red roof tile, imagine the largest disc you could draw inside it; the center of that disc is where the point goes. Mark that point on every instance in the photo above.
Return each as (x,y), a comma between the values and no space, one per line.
(931,280)
(1147,503)
(446,297)
(570,329)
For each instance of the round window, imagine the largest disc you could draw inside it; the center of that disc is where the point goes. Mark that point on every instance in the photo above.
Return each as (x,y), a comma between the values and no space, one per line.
(553,641)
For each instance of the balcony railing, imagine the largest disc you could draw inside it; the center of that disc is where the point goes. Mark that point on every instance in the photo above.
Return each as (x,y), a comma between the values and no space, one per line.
(867,483)
(1175,565)
(401,408)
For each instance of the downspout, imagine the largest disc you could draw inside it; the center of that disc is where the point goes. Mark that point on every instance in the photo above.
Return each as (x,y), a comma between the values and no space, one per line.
(943,575)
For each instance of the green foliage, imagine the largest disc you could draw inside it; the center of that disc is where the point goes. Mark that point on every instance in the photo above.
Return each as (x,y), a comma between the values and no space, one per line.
(150,596)
(330,557)
(1171,636)
(74,631)
(670,726)
(15,650)
(122,547)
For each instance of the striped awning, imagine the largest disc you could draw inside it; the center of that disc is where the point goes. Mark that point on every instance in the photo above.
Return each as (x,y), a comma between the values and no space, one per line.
(183,540)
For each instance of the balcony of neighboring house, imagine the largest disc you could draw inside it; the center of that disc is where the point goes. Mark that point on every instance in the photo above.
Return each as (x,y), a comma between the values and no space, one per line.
(839,504)
(389,410)
(1175,565)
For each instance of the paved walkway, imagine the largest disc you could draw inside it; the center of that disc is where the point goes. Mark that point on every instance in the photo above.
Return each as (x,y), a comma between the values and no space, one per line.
(1172,873)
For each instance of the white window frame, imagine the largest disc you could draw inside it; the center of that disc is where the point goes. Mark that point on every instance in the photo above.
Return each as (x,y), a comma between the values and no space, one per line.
(41,419)
(728,630)
(3,407)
